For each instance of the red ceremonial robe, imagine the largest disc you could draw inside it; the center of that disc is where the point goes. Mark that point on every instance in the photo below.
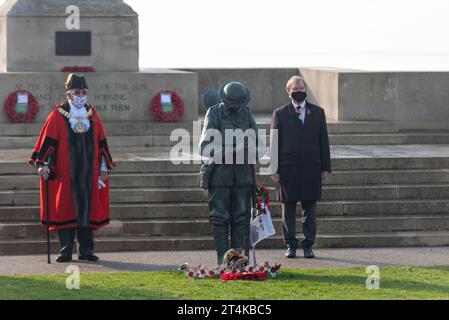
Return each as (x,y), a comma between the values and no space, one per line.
(54,141)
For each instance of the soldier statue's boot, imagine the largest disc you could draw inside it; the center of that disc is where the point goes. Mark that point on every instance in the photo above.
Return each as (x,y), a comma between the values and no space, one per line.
(238,232)
(220,233)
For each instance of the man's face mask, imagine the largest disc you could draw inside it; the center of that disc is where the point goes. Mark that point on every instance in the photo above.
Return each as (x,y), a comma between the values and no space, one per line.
(299,96)
(79,98)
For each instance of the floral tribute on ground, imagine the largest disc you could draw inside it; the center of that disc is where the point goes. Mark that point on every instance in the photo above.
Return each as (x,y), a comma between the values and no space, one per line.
(235,264)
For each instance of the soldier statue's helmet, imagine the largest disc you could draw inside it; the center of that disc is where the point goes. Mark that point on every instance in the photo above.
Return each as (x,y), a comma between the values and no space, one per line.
(235,94)
(210,98)
(75,82)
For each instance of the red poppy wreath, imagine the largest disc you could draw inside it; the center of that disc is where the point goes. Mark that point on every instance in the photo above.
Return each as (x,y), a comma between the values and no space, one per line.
(21,106)
(167,106)
(77,69)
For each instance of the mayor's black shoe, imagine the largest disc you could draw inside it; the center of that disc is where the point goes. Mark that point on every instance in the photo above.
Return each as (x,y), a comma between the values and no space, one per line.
(291,252)
(62,259)
(92,257)
(308,253)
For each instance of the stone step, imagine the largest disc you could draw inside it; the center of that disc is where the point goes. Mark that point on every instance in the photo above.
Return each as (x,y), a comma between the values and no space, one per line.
(199,210)
(387,139)
(135,165)
(345,127)
(158,163)
(176,195)
(28,142)
(111,128)
(117,180)
(165,165)
(191,179)
(424,137)
(202,227)
(150,128)
(155,140)
(156,243)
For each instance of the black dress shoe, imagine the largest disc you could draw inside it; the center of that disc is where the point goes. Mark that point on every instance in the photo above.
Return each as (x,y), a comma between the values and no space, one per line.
(308,253)
(63,258)
(291,252)
(92,257)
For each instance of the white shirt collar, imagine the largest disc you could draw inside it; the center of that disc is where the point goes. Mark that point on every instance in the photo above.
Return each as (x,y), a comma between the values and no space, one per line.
(302,104)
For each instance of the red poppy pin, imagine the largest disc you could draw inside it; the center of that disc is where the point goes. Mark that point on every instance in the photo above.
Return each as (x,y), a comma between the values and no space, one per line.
(309,112)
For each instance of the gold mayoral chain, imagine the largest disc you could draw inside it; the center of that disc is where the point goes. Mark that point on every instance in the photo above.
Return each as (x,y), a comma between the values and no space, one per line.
(79,126)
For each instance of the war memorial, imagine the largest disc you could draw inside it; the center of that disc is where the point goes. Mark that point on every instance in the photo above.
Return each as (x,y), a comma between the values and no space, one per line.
(389,186)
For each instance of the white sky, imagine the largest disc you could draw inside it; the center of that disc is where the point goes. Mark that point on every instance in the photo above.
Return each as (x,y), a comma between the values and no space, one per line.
(371,35)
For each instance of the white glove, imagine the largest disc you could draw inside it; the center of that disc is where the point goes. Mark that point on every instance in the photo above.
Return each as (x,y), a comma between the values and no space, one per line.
(101,184)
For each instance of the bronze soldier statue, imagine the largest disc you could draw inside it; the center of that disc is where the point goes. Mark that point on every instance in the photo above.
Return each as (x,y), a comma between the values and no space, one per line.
(230,183)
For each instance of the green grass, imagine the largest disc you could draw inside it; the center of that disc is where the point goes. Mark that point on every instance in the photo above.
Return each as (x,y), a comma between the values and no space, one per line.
(395,283)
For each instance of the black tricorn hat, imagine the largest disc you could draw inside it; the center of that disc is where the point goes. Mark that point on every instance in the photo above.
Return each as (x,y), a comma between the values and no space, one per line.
(75,82)
(235,94)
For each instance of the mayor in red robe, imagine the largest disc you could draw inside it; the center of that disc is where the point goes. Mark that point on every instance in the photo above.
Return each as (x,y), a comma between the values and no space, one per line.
(72,153)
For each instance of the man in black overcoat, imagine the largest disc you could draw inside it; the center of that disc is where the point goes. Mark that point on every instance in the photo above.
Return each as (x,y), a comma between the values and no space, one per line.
(303,158)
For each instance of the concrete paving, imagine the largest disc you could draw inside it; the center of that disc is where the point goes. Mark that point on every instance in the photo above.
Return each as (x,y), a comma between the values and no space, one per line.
(171,260)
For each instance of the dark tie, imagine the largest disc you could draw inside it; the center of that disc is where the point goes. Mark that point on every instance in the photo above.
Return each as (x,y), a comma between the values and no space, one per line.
(300,109)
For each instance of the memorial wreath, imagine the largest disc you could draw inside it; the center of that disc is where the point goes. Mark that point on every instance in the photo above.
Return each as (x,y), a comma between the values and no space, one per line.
(21,106)
(77,69)
(167,106)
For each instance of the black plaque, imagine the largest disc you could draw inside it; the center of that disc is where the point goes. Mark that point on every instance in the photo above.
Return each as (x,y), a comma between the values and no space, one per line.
(73,43)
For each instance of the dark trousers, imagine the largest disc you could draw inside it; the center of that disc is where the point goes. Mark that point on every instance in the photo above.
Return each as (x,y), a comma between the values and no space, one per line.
(85,239)
(308,223)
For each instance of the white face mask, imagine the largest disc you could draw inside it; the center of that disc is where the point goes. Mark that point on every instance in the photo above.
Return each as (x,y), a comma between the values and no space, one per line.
(79,102)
